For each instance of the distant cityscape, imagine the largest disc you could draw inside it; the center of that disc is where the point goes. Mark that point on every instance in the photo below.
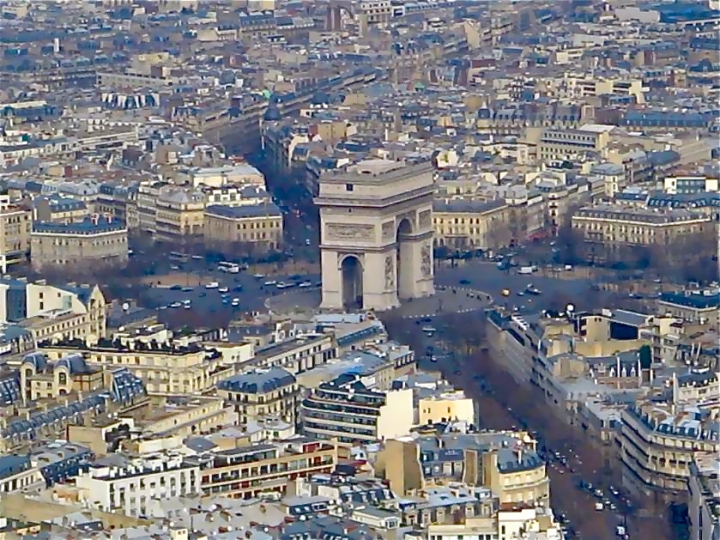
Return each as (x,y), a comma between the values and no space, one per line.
(359,269)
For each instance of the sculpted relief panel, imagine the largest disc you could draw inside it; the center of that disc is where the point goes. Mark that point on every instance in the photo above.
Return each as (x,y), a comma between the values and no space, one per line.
(426,260)
(340,232)
(425,220)
(389,272)
(388,230)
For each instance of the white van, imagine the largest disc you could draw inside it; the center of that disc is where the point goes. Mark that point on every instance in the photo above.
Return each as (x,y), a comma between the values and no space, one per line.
(212,285)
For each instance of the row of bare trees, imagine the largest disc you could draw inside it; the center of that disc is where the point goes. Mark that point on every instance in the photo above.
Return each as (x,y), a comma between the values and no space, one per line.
(462,333)
(683,258)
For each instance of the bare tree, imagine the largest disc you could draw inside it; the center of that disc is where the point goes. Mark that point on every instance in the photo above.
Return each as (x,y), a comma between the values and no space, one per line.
(517,224)
(404,330)
(464,333)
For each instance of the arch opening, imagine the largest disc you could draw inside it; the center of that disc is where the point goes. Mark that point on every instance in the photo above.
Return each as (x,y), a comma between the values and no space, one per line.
(403,263)
(352,282)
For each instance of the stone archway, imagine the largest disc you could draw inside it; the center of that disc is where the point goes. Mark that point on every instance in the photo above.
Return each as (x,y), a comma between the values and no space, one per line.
(379,212)
(351,271)
(404,259)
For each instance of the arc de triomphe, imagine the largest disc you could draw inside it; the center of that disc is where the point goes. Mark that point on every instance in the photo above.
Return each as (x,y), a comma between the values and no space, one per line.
(376,239)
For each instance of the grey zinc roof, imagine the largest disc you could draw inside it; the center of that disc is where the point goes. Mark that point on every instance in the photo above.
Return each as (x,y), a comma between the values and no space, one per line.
(258,382)
(245,211)
(86,226)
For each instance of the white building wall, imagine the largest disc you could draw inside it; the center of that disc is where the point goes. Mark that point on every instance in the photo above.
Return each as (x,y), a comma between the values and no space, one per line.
(397,415)
(109,489)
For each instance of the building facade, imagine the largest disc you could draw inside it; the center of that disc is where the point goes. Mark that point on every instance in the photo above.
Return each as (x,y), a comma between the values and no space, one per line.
(96,240)
(248,472)
(252,227)
(260,394)
(15,225)
(173,369)
(344,409)
(129,488)
(659,443)
(605,228)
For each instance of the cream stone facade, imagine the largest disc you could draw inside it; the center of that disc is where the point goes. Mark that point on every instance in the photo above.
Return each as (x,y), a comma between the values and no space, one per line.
(376,234)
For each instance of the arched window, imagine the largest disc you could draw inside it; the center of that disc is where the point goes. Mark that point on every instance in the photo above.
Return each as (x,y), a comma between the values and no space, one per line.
(62,378)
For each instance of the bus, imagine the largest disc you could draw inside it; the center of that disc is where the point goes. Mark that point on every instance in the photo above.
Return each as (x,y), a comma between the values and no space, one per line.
(230,268)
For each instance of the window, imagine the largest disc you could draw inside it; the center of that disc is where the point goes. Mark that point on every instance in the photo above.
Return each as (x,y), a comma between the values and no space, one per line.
(349,187)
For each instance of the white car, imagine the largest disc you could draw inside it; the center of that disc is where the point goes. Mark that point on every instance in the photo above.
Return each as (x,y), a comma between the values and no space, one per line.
(213,285)
(270,283)
(175,305)
(305,284)
(223,289)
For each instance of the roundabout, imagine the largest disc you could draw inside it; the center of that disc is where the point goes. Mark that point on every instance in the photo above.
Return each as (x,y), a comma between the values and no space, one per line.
(445,300)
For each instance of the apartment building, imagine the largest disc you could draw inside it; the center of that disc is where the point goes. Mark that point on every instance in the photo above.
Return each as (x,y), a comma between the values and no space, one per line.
(259,227)
(704,497)
(506,524)
(660,440)
(251,471)
(581,87)
(168,418)
(114,199)
(164,369)
(691,306)
(568,143)
(296,354)
(512,339)
(96,240)
(159,79)
(15,224)
(505,463)
(122,394)
(605,228)
(41,378)
(80,141)
(578,362)
(236,195)
(346,410)
(179,215)
(380,365)
(58,208)
(690,185)
(115,483)
(261,393)
(452,406)
(48,312)
(17,473)
(227,176)
(463,224)
(144,208)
